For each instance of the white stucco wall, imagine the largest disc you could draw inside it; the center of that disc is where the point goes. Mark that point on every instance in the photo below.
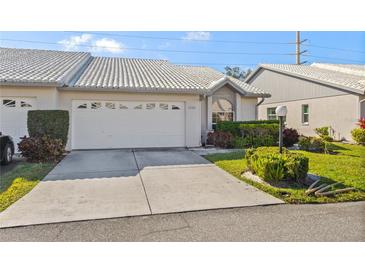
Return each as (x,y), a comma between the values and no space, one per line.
(339,112)
(46,97)
(196,106)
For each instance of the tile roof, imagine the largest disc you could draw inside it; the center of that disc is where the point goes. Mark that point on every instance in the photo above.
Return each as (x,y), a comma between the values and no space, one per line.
(39,66)
(79,70)
(153,75)
(128,73)
(349,77)
(208,77)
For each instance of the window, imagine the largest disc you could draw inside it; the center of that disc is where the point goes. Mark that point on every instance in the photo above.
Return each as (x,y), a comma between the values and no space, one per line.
(138,106)
(25,104)
(271,114)
(9,103)
(174,107)
(121,106)
(95,105)
(110,105)
(164,106)
(305,114)
(150,106)
(221,116)
(222,110)
(82,106)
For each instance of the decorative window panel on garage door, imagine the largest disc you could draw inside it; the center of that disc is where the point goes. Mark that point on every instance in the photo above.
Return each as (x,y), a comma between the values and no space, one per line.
(13,116)
(127,124)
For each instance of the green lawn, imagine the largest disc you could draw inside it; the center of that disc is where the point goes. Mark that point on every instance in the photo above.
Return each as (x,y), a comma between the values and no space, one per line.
(19,181)
(347,167)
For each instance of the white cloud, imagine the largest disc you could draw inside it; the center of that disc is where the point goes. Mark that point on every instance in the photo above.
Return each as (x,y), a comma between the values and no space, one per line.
(197,35)
(108,45)
(74,42)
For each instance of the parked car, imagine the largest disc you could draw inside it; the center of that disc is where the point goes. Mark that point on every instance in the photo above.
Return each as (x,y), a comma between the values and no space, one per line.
(6,149)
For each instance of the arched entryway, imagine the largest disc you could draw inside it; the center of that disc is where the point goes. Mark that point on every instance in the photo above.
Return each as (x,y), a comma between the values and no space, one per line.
(222,110)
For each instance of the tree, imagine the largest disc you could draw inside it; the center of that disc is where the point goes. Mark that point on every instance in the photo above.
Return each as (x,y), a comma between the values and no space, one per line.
(237,73)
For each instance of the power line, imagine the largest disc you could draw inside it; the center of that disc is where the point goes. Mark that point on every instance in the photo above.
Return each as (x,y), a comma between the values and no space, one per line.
(333,58)
(157,50)
(339,49)
(192,52)
(182,39)
(213,41)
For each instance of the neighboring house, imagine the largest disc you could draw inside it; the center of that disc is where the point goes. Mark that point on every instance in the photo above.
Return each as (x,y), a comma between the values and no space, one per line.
(120,102)
(317,95)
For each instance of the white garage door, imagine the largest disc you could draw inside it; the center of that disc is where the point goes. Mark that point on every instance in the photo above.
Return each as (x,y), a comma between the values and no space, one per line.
(13,116)
(127,124)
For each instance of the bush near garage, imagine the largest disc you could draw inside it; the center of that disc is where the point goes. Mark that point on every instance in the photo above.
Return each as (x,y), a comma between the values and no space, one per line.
(220,139)
(53,123)
(358,134)
(41,149)
(271,166)
(290,137)
(251,133)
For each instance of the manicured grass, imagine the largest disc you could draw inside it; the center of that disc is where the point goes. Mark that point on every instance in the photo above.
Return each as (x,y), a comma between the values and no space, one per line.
(19,181)
(347,167)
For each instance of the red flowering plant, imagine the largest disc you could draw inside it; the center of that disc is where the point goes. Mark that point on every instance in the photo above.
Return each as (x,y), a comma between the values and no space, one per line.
(362,122)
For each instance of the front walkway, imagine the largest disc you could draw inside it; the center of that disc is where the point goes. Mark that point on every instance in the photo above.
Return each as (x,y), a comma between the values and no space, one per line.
(117,183)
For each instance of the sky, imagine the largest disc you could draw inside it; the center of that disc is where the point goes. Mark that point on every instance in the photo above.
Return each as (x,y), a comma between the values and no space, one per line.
(215,49)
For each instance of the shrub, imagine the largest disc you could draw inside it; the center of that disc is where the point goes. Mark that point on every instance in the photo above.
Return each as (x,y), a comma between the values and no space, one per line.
(362,122)
(220,139)
(358,134)
(251,133)
(53,123)
(311,144)
(290,137)
(234,126)
(41,149)
(270,165)
(253,141)
(324,133)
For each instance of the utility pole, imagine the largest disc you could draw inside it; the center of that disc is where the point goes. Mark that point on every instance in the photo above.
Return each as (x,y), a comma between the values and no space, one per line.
(298,47)
(298,53)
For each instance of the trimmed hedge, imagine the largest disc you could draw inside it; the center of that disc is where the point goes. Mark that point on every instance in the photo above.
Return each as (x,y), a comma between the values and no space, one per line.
(234,126)
(53,123)
(252,133)
(271,166)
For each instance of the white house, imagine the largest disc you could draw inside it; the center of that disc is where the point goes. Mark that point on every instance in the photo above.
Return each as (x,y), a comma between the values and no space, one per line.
(316,96)
(120,102)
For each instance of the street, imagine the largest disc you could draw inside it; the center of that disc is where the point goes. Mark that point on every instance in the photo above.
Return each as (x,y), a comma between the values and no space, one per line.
(326,222)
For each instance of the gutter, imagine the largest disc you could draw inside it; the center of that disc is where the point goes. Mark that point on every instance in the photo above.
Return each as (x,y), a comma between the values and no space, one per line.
(31,84)
(260,102)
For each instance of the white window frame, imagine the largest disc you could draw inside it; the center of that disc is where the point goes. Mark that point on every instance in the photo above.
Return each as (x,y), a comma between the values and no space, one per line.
(270,116)
(305,113)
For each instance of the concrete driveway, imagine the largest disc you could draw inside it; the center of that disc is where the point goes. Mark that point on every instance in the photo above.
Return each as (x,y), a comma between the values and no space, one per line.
(102,184)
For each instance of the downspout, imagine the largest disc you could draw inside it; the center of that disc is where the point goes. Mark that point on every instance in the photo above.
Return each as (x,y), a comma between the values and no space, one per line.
(257,107)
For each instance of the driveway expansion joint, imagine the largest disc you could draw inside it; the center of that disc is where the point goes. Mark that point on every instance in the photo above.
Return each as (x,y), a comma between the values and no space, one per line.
(140,177)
